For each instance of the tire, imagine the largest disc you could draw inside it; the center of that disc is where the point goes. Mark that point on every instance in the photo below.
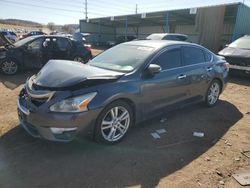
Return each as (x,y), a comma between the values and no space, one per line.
(213,93)
(111,130)
(78,59)
(9,66)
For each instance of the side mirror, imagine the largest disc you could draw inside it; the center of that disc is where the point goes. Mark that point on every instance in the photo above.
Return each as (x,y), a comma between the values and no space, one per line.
(154,69)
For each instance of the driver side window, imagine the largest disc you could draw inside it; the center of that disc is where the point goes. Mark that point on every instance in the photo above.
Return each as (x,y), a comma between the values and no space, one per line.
(169,59)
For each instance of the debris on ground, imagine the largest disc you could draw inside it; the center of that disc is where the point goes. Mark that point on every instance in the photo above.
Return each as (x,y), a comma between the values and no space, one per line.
(198,134)
(207,159)
(248,113)
(237,159)
(246,153)
(155,135)
(222,182)
(228,143)
(161,131)
(219,173)
(163,120)
(242,177)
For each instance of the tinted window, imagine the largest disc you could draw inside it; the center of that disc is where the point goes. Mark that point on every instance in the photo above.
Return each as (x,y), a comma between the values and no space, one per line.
(169,59)
(192,55)
(63,44)
(182,38)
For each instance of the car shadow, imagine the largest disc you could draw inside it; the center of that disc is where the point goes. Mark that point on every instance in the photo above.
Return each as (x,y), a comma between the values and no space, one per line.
(14,81)
(138,160)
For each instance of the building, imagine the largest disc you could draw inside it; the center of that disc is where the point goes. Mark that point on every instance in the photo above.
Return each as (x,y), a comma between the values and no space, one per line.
(211,26)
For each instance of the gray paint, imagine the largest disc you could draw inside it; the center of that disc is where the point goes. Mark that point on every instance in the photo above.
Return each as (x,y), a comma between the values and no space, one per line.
(149,94)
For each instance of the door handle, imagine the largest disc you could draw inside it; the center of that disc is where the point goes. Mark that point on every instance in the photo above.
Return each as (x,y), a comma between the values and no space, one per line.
(209,69)
(182,76)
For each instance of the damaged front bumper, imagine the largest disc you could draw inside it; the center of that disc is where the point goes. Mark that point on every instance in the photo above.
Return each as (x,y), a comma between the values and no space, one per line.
(36,118)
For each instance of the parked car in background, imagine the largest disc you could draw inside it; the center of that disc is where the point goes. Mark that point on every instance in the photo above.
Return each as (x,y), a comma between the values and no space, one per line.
(168,36)
(32,33)
(36,51)
(122,39)
(10,35)
(238,55)
(123,85)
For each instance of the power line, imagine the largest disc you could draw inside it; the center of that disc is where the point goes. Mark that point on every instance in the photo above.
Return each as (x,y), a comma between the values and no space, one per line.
(40,6)
(61,3)
(29,8)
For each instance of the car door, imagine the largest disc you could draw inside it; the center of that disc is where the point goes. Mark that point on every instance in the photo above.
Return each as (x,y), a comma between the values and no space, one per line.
(195,71)
(62,48)
(32,55)
(168,87)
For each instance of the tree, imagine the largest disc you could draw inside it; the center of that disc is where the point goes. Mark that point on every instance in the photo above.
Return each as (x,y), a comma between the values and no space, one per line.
(51,26)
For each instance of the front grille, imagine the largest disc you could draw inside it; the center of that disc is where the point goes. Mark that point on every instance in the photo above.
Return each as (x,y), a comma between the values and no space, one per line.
(38,102)
(238,61)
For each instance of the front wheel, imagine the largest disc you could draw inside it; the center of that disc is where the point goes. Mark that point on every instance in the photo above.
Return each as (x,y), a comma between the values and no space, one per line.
(213,93)
(9,66)
(114,122)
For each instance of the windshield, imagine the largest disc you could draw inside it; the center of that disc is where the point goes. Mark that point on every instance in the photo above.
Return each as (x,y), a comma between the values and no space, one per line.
(241,43)
(122,58)
(23,41)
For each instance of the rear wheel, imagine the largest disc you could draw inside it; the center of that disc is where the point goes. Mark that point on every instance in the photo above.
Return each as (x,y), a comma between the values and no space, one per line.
(213,93)
(9,66)
(114,122)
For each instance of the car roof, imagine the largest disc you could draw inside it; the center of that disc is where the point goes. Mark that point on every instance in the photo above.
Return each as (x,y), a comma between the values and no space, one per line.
(166,34)
(157,44)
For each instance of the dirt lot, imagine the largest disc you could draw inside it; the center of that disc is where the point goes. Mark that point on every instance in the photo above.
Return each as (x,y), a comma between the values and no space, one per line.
(176,160)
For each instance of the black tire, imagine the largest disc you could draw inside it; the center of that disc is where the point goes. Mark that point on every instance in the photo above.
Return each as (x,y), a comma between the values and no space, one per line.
(213,93)
(99,133)
(13,66)
(81,59)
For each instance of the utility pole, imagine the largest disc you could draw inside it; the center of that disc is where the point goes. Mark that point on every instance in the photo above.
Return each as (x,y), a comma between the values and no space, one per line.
(86,10)
(136,8)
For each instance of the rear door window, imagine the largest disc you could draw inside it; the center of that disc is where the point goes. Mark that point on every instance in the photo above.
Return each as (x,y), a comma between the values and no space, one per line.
(63,44)
(192,55)
(169,59)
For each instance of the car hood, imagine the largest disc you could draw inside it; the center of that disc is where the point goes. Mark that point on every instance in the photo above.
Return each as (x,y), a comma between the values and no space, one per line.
(62,75)
(235,52)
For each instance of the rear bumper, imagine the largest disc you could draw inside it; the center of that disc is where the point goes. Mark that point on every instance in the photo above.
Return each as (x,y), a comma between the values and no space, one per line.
(67,126)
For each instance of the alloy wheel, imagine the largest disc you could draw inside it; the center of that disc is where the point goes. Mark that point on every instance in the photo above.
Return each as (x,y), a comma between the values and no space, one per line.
(115,124)
(9,67)
(213,93)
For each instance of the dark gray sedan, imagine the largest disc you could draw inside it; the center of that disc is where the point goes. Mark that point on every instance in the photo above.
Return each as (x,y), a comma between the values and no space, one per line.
(122,86)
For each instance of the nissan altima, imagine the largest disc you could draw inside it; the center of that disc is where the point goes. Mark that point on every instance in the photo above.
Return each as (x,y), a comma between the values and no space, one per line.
(122,86)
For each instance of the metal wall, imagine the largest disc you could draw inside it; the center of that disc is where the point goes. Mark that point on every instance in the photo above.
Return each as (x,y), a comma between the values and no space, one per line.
(242,22)
(142,31)
(99,34)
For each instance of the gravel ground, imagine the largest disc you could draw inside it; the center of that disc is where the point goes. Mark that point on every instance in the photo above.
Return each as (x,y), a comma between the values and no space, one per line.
(178,159)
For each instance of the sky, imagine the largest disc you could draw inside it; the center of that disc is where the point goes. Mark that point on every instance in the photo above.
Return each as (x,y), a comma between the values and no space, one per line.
(70,11)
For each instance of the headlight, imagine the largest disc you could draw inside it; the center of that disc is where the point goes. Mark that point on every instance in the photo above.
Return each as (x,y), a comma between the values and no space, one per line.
(74,104)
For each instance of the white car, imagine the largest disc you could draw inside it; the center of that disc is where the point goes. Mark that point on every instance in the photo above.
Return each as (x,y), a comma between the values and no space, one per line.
(10,35)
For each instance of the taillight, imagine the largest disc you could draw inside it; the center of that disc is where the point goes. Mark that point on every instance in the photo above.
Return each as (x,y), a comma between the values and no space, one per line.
(226,66)
(88,48)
